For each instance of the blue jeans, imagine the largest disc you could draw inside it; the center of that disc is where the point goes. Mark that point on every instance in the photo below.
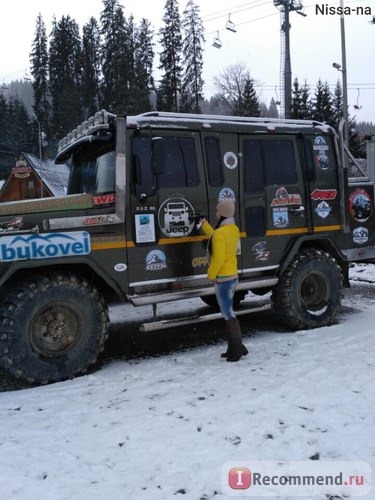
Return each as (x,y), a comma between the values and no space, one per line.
(224,294)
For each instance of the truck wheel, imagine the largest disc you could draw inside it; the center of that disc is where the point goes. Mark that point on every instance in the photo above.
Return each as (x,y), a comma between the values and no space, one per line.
(211,300)
(52,326)
(309,292)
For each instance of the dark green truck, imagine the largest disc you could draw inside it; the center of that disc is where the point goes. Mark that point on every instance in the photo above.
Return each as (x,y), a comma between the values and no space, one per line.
(126,229)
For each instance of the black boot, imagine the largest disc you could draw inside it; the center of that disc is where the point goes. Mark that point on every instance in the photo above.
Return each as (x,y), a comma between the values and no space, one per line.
(236,349)
(226,353)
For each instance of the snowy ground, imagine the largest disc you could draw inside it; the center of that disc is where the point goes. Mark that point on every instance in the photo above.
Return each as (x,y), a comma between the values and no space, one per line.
(162,428)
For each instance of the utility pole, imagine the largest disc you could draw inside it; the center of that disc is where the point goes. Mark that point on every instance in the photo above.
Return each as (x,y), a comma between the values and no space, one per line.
(342,68)
(287,6)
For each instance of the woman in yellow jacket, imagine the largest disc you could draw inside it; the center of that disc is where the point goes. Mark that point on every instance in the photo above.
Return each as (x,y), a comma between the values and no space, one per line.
(222,270)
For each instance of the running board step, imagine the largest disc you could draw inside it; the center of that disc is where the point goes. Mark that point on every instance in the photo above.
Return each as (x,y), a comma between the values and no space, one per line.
(188,293)
(169,323)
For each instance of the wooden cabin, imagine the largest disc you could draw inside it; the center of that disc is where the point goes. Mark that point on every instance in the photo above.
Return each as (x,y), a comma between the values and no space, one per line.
(34,178)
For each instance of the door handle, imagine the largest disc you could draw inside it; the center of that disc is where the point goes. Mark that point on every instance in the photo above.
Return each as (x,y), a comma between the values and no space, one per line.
(297,211)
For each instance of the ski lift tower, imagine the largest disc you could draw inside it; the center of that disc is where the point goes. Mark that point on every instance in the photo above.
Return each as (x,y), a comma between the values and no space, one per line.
(285,7)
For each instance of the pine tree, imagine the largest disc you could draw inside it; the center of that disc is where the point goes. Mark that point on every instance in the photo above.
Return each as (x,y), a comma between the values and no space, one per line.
(130,66)
(272,111)
(39,72)
(296,111)
(144,57)
(7,156)
(65,68)
(170,57)
(192,82)
(114,64)
(301,105)
(322,105)
(19,131)
(250,101)
(91,68)
(236,91)
(306,105)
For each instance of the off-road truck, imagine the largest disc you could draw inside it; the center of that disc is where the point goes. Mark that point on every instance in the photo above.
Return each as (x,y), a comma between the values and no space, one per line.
(127,229)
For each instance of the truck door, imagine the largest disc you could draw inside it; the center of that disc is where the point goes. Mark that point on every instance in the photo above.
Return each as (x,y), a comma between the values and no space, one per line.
(324,192)
(167,190)
(274,198)
(221,159)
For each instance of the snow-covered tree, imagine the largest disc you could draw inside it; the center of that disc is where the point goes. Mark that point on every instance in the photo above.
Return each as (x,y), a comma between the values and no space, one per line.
(91,67)
(170,57)
(322,109)
(39,71)
(296,111)
(65,71)
(114,64)
(249,104)
(144,57)
(192,48)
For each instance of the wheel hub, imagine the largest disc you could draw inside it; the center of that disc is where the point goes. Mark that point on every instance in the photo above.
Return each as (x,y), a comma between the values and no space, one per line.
(314,291)
(55,329)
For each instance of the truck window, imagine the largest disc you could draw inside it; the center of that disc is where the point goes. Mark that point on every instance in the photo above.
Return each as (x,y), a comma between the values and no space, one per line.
(92,175)
(143,180)
(214,163)
(279,162)
(254,176)
(309,159)
(180,169)
(268,162)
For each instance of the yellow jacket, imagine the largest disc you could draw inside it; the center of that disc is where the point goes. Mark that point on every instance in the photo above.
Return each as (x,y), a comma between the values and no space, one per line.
(224,241)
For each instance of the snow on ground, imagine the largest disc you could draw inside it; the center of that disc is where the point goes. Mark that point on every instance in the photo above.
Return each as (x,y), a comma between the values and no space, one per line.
(162,428)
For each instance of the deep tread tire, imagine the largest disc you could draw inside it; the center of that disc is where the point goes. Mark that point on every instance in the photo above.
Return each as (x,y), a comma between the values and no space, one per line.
(52,327)
(308,294)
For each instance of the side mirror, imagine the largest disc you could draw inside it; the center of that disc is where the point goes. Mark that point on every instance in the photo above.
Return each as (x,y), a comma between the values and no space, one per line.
(158,155)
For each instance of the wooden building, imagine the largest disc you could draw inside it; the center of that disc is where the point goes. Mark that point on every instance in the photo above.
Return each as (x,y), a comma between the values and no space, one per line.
(33,178)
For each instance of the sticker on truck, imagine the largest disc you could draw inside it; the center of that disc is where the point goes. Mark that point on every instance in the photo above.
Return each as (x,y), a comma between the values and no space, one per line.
(44,246)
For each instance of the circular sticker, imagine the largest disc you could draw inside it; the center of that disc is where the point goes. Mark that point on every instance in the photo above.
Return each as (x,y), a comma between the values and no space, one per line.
(120,267)
(360,205)
(230,160)
(227,193)
(176,217)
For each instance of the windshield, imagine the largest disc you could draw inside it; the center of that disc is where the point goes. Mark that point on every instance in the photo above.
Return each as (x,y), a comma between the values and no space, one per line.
(92,175)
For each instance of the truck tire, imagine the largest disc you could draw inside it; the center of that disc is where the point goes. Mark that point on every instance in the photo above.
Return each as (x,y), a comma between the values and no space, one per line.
(308,294)
(52,326)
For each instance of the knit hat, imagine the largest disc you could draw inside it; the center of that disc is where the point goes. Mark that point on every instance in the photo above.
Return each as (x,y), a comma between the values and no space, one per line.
(225,208)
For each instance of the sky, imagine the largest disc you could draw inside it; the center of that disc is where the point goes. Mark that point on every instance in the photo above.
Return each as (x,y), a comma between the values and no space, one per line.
(315,41)
(173,426)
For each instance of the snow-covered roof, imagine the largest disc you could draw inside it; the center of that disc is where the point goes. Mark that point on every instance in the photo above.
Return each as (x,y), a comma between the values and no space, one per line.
(55,177)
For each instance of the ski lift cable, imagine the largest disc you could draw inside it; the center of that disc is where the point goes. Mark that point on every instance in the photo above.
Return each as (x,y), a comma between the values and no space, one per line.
(246,22)
(223,12)
(234,11)
(12,75)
